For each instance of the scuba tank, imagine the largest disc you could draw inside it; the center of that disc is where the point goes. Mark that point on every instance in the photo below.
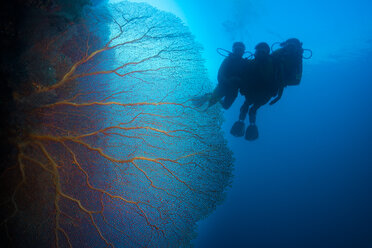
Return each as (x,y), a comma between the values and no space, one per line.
(288,62)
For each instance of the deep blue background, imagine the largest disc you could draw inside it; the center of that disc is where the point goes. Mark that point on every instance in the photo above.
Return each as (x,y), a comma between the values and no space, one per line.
(307,181)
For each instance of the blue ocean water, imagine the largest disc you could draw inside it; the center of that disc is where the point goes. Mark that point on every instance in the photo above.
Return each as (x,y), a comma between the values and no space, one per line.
(306,182)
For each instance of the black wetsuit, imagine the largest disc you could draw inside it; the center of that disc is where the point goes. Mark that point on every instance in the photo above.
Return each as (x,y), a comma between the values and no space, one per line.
(260,85)
(229,80)
(266,78)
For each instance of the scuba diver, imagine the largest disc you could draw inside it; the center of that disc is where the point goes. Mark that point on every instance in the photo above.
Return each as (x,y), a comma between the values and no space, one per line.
(258,80)
(258,88)
(288,64)
(266,76)
(229,80)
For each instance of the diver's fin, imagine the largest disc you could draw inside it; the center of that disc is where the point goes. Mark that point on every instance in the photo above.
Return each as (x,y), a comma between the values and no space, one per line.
(199,101)
(251,133)
(238,129)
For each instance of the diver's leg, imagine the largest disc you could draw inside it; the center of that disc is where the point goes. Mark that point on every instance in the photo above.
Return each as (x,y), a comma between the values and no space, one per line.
(217,95)
(199,101)
(229,98)
(252,113)
(244,110)
(238,128)
(257,104)
(252,131)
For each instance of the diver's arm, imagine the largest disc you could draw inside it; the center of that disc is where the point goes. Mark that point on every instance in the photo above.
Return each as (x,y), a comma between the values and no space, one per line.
(280,93)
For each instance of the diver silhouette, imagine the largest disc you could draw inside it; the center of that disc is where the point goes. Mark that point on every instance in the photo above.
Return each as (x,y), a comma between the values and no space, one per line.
(266,76)
(230,78)
(258,80)
(258,88)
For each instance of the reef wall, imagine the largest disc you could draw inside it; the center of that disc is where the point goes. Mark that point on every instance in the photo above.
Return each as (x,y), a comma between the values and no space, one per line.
(107,150)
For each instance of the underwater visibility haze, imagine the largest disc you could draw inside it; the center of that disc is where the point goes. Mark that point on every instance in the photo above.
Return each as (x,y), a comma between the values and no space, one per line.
(102,146)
